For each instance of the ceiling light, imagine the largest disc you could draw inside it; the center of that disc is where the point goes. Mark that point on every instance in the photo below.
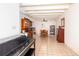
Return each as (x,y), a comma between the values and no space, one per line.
(31,12)
(53,14)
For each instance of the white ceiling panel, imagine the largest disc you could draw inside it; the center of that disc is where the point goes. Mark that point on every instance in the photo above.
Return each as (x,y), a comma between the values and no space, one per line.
(49,11)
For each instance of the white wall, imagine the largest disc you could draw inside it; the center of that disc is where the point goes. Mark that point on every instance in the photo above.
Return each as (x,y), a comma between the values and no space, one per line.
(9,20)
(38,25)
(72,27)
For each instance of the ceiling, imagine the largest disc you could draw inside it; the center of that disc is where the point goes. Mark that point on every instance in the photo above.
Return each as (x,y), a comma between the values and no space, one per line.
(47,11)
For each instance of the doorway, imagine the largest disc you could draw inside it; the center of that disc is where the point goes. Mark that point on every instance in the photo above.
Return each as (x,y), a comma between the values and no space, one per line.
(52,29)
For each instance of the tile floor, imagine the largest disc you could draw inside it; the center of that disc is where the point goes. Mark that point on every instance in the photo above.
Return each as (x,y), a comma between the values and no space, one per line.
(50,47)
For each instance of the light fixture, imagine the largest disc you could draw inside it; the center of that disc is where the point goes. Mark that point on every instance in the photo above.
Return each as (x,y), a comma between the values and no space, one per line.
(38,12)
(44,20)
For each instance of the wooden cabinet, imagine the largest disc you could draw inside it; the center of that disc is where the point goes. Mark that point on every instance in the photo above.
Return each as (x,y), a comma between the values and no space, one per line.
(23,24)
(60,35)
(30,34)
(26,26)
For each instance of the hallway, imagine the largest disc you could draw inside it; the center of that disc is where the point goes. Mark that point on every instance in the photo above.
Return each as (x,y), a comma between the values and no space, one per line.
(50,22)
(50,47)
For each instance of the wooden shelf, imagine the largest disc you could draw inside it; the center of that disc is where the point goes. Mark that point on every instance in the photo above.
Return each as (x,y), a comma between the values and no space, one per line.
(26,25)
